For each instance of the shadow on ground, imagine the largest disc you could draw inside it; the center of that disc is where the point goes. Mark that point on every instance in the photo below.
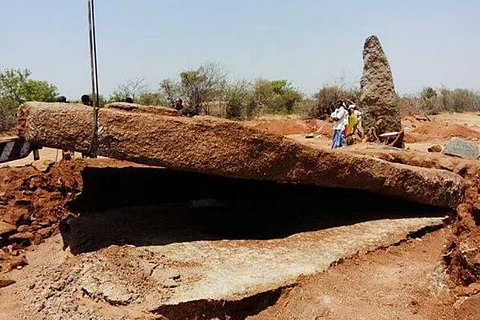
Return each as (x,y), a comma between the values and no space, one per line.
(149,206)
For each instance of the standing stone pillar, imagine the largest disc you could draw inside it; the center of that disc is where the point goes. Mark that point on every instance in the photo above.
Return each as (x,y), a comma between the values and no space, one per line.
(378,99)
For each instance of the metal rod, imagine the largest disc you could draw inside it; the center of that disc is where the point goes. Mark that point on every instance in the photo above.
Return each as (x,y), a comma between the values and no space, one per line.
(97,98)
(93,73)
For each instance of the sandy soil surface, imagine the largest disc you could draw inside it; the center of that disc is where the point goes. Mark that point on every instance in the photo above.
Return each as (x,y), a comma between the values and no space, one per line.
(408,281)
(194,260)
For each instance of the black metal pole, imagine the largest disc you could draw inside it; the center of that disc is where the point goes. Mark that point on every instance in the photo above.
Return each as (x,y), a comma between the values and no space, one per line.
(93,74)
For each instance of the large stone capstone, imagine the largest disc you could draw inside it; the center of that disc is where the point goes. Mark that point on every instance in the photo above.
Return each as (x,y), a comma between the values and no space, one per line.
(378,99)
(229,149)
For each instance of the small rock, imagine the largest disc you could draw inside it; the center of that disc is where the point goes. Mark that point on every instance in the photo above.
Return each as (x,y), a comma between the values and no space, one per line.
(472,289)
(114,294)
(17,261)
(23,202)
(170,283)
(15,215)
(421,118)
(22,228)
(459,302)
(46,232)
(461,148)
(45,223)
(22,236)
(6,282)
(42,165)
(435,148)
(37,239)
(6,228)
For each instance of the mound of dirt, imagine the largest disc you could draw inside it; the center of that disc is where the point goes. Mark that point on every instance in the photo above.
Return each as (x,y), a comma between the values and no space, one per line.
(403,282)
(427,131)
(32,202)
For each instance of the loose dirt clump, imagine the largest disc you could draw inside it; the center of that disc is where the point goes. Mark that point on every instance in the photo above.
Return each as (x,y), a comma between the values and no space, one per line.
(33,200)
(32,203)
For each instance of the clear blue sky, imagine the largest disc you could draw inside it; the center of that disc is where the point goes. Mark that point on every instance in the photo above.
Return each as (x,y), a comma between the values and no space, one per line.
(309,42)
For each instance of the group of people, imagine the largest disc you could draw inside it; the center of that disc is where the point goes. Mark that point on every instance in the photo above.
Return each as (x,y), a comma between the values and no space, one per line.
(86,100)
(346,124)
(182,110)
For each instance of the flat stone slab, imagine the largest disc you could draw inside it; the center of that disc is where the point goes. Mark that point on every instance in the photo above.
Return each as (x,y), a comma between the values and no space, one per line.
(152,278)
(461,148)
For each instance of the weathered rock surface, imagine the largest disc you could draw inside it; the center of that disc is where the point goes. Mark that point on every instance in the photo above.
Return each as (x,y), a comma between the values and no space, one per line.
(230,149)
(6,228)
(461,148)
(158,278)
(378,99)
(133,107)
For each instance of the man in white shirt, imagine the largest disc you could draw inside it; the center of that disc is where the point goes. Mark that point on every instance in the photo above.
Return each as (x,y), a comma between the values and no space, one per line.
(340,118)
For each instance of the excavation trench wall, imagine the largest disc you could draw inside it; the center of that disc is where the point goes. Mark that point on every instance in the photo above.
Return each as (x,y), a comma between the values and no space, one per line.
(229,149)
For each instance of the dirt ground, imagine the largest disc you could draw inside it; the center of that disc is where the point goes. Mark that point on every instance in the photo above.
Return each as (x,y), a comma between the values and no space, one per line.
(69,257)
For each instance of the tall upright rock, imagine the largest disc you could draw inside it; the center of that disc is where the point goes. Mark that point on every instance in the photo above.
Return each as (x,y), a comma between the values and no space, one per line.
(378,100)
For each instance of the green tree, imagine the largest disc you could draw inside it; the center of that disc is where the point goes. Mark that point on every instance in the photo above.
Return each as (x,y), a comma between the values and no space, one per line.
(16,88)
(279,86)
(276,96)
(38,90)
(240,102)
(203,85)
(428,101)
(326,98)
(446,99)
(464,100)
(11,83)
(152,99)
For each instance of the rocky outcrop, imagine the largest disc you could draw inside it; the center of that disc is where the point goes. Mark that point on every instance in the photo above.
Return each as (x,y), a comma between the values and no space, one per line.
(378,99)
(227,148)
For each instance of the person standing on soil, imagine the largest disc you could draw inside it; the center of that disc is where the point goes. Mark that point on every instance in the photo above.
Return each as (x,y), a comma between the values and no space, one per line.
(352,124)
(182,110)
(358,113)
(86,100)
(340,118)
